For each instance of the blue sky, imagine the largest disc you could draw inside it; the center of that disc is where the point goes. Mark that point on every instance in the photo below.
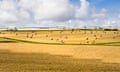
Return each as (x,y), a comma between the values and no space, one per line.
(99,4)
(75,2)
(108,4)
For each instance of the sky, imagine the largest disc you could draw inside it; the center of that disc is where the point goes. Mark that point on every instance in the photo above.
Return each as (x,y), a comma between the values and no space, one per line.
(59,13)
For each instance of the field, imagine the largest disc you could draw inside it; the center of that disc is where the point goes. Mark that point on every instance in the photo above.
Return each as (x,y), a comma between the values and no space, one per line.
(60,51)
(66,36)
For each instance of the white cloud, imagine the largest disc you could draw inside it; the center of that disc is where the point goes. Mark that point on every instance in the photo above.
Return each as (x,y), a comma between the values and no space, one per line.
(27,4)
(83,10)
(24,15)
(5,16)
(7,11)
(119,16)
(7,5)
(51,13)
(102,14)
(54,10)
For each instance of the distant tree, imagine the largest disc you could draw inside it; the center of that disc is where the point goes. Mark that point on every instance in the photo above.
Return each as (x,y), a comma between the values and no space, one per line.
(100,28)
(15,29)
(95,28)
(85,27)
(72,31)
(12,29)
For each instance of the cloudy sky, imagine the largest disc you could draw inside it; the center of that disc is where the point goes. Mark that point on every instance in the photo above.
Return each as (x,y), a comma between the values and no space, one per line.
(59,13)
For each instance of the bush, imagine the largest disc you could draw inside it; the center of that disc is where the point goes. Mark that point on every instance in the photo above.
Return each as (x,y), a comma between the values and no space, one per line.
(110,29)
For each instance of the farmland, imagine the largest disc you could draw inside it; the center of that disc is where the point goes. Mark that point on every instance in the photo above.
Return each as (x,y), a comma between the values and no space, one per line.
(66,36)
(60,51)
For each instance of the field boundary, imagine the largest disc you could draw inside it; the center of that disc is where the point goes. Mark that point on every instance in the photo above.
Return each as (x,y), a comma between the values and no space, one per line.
(33,42)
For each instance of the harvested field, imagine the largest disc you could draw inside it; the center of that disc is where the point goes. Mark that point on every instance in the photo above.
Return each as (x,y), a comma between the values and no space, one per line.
(19,53)
(22,62)
(24,57)
(66,36)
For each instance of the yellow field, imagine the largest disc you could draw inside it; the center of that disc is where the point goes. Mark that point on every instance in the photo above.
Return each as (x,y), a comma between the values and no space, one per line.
(66,56)
(66,37)
(23,57)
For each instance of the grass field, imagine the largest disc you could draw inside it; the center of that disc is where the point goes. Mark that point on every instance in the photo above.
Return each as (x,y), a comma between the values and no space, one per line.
(60,51)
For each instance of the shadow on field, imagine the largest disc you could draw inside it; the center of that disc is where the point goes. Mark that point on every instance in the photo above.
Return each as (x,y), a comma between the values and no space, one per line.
(2,40)
(32,62)
(8,42)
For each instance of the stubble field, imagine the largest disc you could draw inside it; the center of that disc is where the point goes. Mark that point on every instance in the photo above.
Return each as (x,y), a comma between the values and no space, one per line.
(60,51)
